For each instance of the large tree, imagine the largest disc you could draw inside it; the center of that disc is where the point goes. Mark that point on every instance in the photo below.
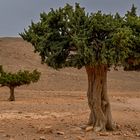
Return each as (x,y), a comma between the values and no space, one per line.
(70,37)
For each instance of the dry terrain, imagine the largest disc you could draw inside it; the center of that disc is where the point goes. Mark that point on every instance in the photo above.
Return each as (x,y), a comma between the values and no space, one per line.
(56,107)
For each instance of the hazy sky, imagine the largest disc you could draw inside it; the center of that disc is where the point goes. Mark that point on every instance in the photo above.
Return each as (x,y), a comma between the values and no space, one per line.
(15,15)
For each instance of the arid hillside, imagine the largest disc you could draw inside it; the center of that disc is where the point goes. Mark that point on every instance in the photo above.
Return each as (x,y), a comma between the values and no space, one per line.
(58,100)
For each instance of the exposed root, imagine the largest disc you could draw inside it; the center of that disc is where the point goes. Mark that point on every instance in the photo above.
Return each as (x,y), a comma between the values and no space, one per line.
(11,99)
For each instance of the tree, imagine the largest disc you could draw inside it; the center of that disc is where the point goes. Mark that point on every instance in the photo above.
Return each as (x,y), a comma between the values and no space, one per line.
(70,37)
(13,80)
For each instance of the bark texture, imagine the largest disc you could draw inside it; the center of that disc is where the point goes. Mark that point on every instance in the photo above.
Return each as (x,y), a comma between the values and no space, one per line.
(12,96)
(100,115)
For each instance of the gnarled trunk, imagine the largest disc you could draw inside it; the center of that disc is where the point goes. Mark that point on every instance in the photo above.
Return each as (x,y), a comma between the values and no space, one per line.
(100,115)
(12,96)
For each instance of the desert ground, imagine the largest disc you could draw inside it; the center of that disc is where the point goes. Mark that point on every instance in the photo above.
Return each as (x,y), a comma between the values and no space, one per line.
(56,107)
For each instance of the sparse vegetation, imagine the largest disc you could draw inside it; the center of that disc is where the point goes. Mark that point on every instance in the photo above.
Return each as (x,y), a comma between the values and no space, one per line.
(13,80)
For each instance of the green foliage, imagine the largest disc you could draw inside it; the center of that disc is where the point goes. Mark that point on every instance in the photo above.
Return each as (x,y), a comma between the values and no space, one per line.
(17,79)
(132,12)
(69,36)
(133,21)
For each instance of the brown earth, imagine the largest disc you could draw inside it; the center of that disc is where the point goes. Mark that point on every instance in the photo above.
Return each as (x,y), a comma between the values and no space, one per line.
(56,107)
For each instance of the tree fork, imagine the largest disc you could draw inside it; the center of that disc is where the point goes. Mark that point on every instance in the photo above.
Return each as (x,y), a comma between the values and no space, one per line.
(98,101)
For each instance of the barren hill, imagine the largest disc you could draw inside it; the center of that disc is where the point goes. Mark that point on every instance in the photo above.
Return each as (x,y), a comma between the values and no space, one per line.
(17,54)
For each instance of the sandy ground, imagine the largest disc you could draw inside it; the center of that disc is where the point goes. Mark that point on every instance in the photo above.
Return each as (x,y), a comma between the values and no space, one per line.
(56,107)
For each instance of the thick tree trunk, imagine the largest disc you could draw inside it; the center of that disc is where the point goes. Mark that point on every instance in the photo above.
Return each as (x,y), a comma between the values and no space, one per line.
(12,96)
(100,115)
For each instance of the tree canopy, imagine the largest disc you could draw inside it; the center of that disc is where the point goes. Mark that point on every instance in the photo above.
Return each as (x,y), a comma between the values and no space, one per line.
(17,79)
(69,36)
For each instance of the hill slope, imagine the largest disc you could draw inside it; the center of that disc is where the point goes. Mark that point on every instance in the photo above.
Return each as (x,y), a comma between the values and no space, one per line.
(16,54)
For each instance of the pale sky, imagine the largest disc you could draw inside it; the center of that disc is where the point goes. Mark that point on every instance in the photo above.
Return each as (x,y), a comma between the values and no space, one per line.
(15,15)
